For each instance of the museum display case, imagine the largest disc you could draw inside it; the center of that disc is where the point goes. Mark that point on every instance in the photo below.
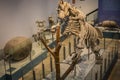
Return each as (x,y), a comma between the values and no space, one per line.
(68,48)
(41,64)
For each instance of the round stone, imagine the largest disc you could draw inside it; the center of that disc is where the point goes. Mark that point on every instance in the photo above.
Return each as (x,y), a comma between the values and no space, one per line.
(18,48)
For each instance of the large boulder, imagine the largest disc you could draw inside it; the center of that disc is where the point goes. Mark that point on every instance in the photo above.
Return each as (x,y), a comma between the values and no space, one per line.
(18,48)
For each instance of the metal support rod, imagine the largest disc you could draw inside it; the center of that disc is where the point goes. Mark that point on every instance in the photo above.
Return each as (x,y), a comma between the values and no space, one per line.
(74,43)
(108,59)
(34,76)
(64,54)
(69,48)
(100,72)
(51,64)
(112,53)
(43,70)
(33,72)
(104,43)
(115,45)
(96,75)
(88,53)
(10,67)
(116,48)
(5,68)
(105,65)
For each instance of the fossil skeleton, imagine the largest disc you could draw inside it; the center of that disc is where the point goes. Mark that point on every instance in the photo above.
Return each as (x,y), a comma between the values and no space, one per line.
(76,24)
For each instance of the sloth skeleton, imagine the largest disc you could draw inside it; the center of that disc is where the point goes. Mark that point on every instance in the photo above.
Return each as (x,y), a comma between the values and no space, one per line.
(88,35)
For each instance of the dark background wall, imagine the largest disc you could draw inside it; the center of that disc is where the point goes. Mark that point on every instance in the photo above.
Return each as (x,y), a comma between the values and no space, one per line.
(109,10)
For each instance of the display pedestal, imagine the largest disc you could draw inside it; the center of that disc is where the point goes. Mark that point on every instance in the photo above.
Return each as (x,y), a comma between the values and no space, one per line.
(80,71)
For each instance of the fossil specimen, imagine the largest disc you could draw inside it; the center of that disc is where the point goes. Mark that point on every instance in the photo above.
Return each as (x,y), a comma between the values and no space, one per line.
(18,48)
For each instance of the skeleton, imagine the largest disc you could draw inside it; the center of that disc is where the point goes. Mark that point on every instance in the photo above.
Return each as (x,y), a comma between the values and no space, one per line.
(88,35)
(67,12)
(51,21)
(41,26)
(40,33)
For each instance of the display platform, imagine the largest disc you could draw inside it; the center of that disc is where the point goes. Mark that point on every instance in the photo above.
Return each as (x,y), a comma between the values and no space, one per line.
(18,69)
(81,69)
(15,66)
(22,67)
(111,34)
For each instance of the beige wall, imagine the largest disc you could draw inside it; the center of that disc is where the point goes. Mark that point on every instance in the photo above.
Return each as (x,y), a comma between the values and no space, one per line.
(17,17)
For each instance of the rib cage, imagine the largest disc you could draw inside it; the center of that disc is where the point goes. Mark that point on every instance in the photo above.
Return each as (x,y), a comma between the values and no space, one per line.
(84,31)
(72,28)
